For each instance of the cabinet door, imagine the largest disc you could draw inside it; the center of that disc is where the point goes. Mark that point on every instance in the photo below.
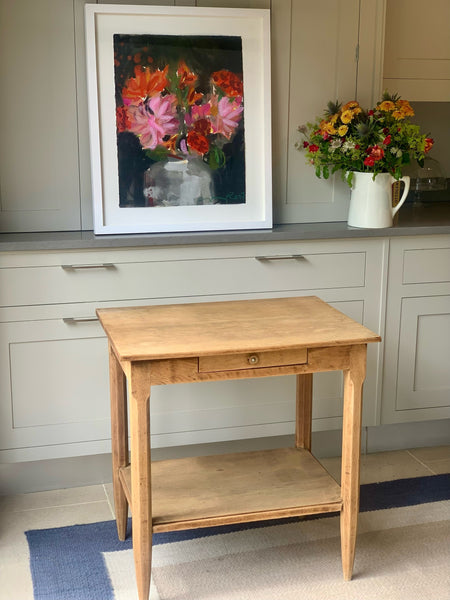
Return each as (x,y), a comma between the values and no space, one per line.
(417,49)
(53,388)
(38,119)
(416,379)
(321,63)
(423,379)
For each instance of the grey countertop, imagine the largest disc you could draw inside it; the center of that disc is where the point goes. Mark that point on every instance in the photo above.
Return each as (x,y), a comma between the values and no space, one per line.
(413,219)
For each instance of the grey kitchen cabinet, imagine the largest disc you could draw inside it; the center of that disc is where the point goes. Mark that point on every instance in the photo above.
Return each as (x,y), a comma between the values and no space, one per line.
(48,326)
(39,169)
(416,381)
(417,50)
(44,141)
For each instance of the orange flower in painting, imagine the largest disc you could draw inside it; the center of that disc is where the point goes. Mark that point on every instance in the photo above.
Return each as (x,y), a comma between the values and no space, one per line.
(122,119)
(229,82)
(144,85)
(197,142)
(193,96)
(187,77)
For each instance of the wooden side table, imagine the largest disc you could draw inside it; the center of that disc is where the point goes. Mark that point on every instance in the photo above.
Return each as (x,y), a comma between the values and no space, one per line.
(182,343)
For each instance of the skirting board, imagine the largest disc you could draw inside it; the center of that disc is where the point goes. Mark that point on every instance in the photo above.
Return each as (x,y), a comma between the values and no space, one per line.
(33,476)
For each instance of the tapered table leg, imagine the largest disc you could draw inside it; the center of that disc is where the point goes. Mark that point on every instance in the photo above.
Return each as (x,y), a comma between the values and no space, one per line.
(119,439)
(303,419)
(351,450)
(139,387)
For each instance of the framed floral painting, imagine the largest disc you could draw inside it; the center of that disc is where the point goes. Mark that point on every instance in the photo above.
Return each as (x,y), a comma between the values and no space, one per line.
(179,115)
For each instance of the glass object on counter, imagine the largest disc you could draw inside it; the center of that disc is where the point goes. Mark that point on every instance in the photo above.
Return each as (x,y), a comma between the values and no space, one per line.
(429,178)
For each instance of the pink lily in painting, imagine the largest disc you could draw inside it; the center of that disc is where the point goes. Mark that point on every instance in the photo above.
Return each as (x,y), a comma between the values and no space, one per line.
(225,114)
(154,120)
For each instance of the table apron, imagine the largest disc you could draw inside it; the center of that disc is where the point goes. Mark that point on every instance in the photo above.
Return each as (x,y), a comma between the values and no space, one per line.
(186,370)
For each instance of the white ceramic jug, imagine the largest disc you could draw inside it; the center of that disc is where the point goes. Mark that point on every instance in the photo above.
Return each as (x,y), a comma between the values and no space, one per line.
(371,200)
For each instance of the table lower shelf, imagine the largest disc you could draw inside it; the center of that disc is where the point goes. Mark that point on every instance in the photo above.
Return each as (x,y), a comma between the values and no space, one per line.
(234,488)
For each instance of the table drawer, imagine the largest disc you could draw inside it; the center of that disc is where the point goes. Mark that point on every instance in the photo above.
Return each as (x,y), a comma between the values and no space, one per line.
(107,280)
(252,360)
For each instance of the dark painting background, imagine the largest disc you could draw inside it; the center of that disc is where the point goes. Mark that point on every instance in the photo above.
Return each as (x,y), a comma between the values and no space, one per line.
(203,55)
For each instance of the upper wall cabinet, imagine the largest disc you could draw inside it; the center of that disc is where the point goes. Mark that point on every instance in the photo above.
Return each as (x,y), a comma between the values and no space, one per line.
(314,62)
(417,49)
(39,175)
(321,51)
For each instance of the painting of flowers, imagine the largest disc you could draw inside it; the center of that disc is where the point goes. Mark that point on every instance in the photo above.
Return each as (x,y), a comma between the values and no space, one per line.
(179,120)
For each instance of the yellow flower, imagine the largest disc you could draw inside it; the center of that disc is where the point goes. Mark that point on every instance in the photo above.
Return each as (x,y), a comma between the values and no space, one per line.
(405,107)
(333,119)
(357,111)
(349,105)
(346,116)
(342,130)
(398,115)
(387,106)
(326,127)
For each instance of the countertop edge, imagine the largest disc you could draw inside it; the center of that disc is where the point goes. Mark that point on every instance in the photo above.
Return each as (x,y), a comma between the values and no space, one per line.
(429,220)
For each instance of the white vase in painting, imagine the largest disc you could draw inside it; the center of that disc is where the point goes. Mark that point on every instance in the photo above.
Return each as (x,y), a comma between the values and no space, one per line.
(179,182)
(371,200)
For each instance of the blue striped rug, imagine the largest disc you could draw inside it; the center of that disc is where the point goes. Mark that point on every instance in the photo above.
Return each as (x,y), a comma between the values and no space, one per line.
(68,563)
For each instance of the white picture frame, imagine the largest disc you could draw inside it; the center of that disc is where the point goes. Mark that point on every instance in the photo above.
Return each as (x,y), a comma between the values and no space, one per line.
(104,26)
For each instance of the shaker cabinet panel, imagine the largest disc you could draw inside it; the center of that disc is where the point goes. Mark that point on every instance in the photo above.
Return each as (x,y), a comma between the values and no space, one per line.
(416,377)
(53,382)
(423,377)
(38,117)
(322,67)
(417,49)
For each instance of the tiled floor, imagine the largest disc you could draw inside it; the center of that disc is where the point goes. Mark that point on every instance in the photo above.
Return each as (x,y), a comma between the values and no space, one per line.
(94,503)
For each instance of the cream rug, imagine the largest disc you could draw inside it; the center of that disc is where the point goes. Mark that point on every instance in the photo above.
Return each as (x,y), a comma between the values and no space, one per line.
(402,554)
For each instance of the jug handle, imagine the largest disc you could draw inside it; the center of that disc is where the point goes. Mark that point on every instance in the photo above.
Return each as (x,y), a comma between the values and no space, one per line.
(406,181)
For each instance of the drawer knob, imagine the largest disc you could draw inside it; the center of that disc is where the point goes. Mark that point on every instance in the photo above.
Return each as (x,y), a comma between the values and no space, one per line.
(253,359)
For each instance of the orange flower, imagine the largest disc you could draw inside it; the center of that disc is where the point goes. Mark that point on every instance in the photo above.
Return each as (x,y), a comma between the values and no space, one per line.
(405,108)
(197,142)
(398,115)
(144,85)
(386,106)
(229,82)
(193,96)
(122,119)
(346,116)
(187,78)
(350,105)
(326,127)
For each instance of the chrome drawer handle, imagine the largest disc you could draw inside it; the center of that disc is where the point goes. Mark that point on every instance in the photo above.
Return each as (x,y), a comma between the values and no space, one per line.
(281,257)
(96,266)
(253,359)
(75,320)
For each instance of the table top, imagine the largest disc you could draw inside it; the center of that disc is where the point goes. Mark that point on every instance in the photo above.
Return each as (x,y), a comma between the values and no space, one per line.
(214,328)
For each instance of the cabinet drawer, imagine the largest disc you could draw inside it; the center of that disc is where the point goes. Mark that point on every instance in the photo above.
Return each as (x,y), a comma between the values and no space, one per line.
(251,360)
(430,265)
(107,281)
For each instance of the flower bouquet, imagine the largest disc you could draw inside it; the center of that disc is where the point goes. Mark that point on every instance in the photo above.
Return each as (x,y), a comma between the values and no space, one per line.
(348,139)
(172,117)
